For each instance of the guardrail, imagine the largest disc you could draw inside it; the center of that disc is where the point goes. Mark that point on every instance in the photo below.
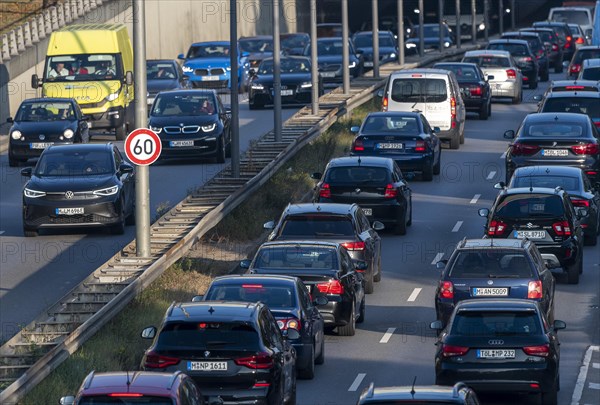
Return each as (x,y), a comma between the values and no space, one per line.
(46,342)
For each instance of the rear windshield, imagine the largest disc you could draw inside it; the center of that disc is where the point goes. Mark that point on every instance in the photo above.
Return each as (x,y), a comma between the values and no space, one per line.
(554,130)
(370,176)
(317,225)
(462,72)
(585,54)
(275,296)
(571,16)
(591,74)
(177,336)
(546,36)
(399,125)
(513,49)
(106,400)
(416,90)
(488,61)
(297,257)
(475,323)
(579,105)
(530,206)
(570,184)
(491,264)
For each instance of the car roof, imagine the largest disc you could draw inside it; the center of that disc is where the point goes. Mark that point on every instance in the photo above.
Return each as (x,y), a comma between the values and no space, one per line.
(588,48)
(455,64)
(48,99)
(495,304)
(218,311)
(394,114)
(211,43)
(573,94)
(535,29)
(321,244)
(508,41)
(556,117)
(520,34)
(262,278)
(191,92)
(320,208)
(366,33)
(256,37)
(355,161)
(488,52)
(550,23)
(423,71)
(416,394)
(532,190)
(590,83)
(161,60)
(79,147)
(492,243)
(144,382)
(549,170)
(296,57)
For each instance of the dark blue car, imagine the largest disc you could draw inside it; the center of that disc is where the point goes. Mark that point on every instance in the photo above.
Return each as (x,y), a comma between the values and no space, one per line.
(431,38)
(329,57)
(388,47)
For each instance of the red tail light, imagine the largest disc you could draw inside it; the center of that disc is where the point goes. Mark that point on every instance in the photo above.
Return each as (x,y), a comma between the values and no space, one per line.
(289,323)
(586,149)
(534,290)
(591,173)
(325,191)
(452,351)
(574,88)
(540,351)
(574,68)
(358,146)
(261,385)
(554,47)
(562,228)
(567,45)
(511,73)
(580,203)
(420,146)
(384,103)
(446,289)
(527,59)
(523,149)
(496,228)
(597,124)
(354,246)
(390,191)
(453,111)
(569,38)
(260,361)
(155,360)
(334,287)
(579,40)
(125,395)
(476,91)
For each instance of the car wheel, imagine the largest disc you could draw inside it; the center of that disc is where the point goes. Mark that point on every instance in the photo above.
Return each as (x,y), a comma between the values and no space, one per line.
(276,398)
(490,108)
(308,373)
(369,284)
(462,136)
(30,233)
(220,154)
(546,76)
(377,276)
(121,132)
(361,313)
(350,328)
(130,220)
(484,112)
(574,271)
(292,399)
(550,397)
(427,174)
(320,359)
(455,142)
(591,240)
(400,228)
(409,222)
(533,84)
(438,166)
(517,100)
(228,149)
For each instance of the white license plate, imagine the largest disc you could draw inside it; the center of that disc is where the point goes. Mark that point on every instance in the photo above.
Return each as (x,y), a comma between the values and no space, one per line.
(207,366)
(495,354)
(287,92)
(210,78)
(69,211)
(178,144)
(389,146)
(328,74)
(40,145)
(489,292)
(367,211)
(555,152)
(498,86)
(530,234)
(368,64)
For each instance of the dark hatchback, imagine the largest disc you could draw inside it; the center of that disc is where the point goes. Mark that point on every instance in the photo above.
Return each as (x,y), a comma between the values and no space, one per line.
(459,394)
(296,82)
(523,56)
(552,44)
(163,75)
(290,303)
(579,102)
(388,47)
(500,345)
(484,268)
(567,139)
(88,185)
(374,183)
(191,123)
(583,53)
(545,216)
(293,43)
(345,224)
(41,122)
(474,86)
(564,34)
(234,351)
(405,137)
(329,56)
(326,269)
(537,47)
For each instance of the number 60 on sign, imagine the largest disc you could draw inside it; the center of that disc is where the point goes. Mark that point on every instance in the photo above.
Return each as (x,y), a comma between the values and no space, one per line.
(143,147)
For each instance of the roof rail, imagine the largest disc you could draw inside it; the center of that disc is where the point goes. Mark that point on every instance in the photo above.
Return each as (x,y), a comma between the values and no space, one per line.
(370,390)
(88,380)
(170,309)
(463,242)
(558,189)
(173,378)
(457,387)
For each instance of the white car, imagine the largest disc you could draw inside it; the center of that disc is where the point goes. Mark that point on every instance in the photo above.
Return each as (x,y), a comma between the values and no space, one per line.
(590,70)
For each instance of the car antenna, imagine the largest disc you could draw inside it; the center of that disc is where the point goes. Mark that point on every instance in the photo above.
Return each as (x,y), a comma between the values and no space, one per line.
(412,390)
(128,380)
(530,184)
(359,161)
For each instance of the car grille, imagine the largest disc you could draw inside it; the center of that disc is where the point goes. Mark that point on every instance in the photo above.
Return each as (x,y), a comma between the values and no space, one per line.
(330,68)
(188,129)
(93,105)
(211,72)
(79,195)
(72,219)
(286,87)
(213,84)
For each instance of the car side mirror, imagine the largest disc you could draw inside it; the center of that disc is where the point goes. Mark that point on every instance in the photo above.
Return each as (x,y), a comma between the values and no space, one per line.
(129,78)
(380,93)
(441,265)
(378,226)
(354,129)
(245,264)
(292,334)
(316,176)
(180,56)
(228,111)
(10,120)
(68,400)
(35,81)
(26,172)
(320,300)
(499,186)
(436,130)
(436,325)
(269,225)
(483,212)
(510,134)
(558,325)
(149,332)
(360,265)
(197,298)
(490,77)
(124,168)
(537,97)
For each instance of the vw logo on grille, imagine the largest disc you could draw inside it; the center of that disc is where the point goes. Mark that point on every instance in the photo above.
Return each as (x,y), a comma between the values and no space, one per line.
(490,282)
(357,191)
(69,195)
(496,342)
(42,137)
(529,225)
(206,353)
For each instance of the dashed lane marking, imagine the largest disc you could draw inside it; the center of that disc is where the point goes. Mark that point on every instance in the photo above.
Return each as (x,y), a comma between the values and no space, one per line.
(437,258)
(387,335)
(475,198)
(413,296)
(457,226)
(491,175)
(595,365)
(580,385)
(594,386)
(357,381)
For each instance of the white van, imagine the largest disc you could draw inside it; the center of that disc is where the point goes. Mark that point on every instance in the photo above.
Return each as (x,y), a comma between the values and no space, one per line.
(433,92)
(573,15)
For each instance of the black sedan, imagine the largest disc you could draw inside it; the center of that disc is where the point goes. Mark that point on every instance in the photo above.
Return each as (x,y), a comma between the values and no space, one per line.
(500,345)
(79,185)
(296,84)
(326,269)
(405,137)
(163,75)
(375,183)
(41,122)
(329,56)
(582,192)
(191,123)
(290,303)
(388,47)
(555,139)
(474,86)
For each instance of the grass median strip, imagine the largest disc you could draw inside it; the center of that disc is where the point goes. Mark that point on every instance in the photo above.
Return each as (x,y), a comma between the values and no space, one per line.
(118,345)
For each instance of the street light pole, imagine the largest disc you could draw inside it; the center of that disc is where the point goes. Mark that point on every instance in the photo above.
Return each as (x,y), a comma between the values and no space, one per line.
(345,48)
(314,64)
(441,23)
(276,73)
(513,15)
(473,21)
(234,125)
(458,25)
(421,30)
(486,19)
(142,177)
(500,17)
(401,32)
(375,20)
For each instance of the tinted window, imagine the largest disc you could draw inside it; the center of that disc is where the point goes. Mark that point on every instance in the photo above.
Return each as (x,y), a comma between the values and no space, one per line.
(208,51)
(160,70)
(591,74)
(571,16)
(371,176)
(296,257)
(419,90)
(273,296)
(428,31)
(45,111)
(513,49)
(68,163)
(551,129)
(462,73)
(488,61)
(177,336)
(401,125)
(366,41)
(474,323)
(582,55)
(106,400)
(579,105)
(256,45)
(317,225)
(491,263)
(168,104)
(570,184)
(530,205)
(286,66)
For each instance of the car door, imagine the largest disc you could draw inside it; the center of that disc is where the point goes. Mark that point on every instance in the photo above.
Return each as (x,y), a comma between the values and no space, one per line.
(431,138)
(370,237)
(548,283)
(312,317)
(351,279)
(285,354)
(403,189)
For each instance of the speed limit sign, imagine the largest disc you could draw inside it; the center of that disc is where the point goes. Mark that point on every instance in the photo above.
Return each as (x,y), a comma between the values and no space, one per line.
(143,147)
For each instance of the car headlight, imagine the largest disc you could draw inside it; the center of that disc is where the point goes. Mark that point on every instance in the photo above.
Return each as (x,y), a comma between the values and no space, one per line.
(306,85)
(33,193)
(187,69)
(352,65)
(481,27)
(446,44)
(68,133)
(158,130)
(392,55)
(209,128)
(16,134)
(411,45)
(257,86)
(107,191)
(112,96)
(228,68)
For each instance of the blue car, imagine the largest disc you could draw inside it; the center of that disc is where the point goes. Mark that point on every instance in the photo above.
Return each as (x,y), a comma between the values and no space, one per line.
(431,38)
(388,47)
(329,57)
(207,66)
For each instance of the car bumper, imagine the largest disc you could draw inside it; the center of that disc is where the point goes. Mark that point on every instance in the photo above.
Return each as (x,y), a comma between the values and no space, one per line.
(28,149)
(202,146)
(452,133)
(566,253)
(336,312)
(299,97)
(255,396)
(388,214)
(499,379)
(112,118)
(43,214)
(505,89)
(407,162)
(474,104)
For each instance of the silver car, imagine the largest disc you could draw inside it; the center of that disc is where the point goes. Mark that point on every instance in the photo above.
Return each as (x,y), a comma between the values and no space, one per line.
(505,78)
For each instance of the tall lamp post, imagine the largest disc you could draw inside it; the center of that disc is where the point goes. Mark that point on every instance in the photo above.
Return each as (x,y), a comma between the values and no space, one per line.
(235,105)
(276,73)
(314,64)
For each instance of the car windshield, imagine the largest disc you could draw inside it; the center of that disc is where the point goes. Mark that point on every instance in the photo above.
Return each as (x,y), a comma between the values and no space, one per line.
(83,67)
(545,36)
(462,72)
(585,54)
(208,51)
(399,125)
(551,129)
(294,41)
(513,49)
(160,71)
(172,104)
(317,225)
(75,163)
(286,65)
(419,90)
(530,206)
(496,323)
(580,105)
(296,257)
(256,45)
(591,74)
(124,400)
(571,16)
(429,31)
(366,41)
(358,175)
(491,263)
(207,335)
(272,296)
(45,111)
(488,61)
(570,184)
(327,48)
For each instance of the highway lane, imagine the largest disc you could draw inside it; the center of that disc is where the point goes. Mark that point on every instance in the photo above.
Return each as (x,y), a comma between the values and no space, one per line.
(36,272)
(395,344)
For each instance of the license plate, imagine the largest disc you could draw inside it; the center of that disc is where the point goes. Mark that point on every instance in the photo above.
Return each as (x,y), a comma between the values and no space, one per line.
(210,78)
(368,64)
(389,146)
(489,292)
(287,92)
(178,144)
(555,152)
(530,234)
(40,145)
(207,366)
(495,354)
(367,211)
(69,211)
(498,86)
(328,74)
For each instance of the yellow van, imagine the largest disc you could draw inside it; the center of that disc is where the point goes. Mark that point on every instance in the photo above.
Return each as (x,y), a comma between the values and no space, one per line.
(92,63)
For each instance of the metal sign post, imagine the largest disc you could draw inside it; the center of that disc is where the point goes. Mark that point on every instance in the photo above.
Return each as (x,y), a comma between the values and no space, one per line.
(401,32)
(235,105)
(276,74)
(421,29)
(458,27)
(345,48)
(375,12)
(486,19)
(441,23)
(314,65)
(473,21)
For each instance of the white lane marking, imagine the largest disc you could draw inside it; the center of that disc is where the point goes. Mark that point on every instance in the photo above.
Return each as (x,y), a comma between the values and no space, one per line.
(1,232)
(491,175)
(475,198)
(387,335)
(457,226)
(503,156)
(437,258)
(580,385)
(357,381)
(595,365)
(594,386)
(414,294)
